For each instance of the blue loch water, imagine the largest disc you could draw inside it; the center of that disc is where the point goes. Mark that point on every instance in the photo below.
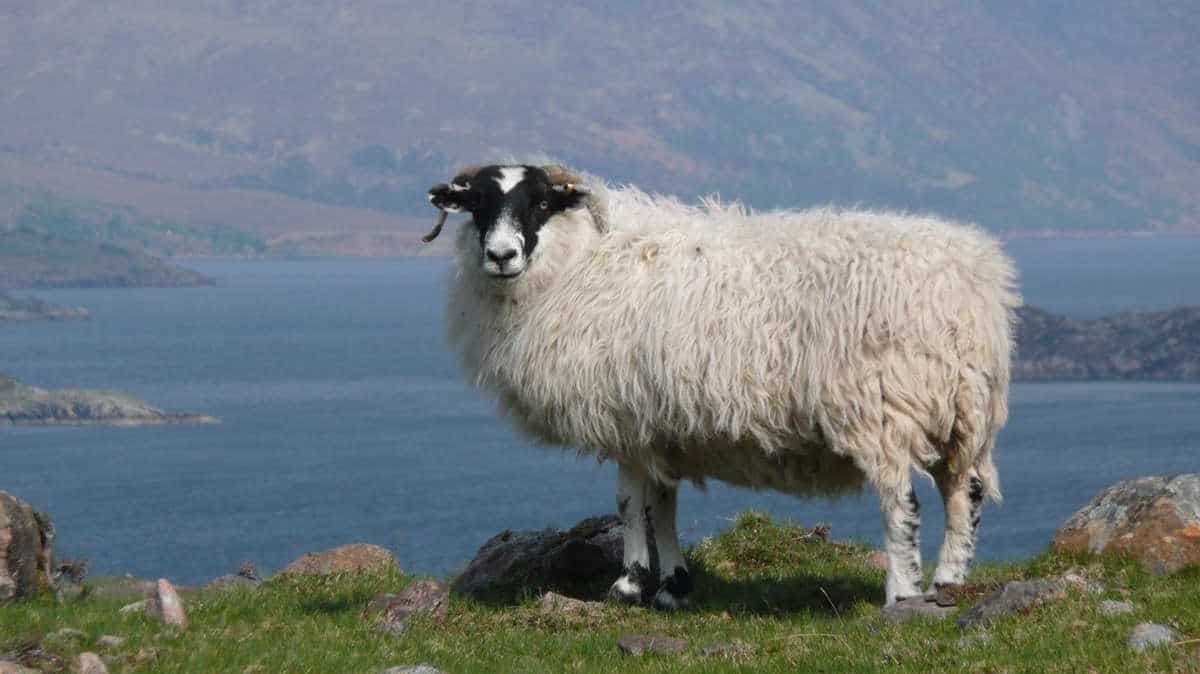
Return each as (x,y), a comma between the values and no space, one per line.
(345,420)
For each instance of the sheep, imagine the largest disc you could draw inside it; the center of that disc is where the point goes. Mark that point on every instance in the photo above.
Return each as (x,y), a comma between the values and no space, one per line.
(804,351)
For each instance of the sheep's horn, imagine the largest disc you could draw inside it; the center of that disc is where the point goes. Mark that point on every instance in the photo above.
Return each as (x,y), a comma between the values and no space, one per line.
(437,229)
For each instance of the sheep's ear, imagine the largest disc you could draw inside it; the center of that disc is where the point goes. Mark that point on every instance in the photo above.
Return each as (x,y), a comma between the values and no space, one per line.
(455,197)
(568,196)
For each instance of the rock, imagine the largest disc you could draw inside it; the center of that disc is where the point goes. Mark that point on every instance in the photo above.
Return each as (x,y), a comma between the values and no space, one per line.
(166,605)
(413,669)
(1153,519)
(422,597)
(26,548)
(90,663)
(515,562)
(1080,581)
(916,607)
(67,634)
(1110,607)
(110,641)
(1149,635)
(636,644)
(877,559)
(246,578)
(140,606)
(552,602)
(734,650)
(975,639)
(231,581)
(354,558)
(1014,597)
(7,667)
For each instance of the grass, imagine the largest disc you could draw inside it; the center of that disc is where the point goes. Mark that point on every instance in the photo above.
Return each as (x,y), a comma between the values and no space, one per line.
(802,604)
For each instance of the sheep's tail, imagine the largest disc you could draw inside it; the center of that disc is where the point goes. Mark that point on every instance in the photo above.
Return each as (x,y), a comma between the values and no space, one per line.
(981,410)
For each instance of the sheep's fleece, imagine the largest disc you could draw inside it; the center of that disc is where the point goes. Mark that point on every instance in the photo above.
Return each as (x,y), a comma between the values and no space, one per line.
(804,351)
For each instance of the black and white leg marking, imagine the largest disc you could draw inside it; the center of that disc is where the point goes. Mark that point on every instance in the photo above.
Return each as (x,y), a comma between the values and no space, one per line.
(639,577)
(674,581)
(964,500)
(654,569)
(902,539)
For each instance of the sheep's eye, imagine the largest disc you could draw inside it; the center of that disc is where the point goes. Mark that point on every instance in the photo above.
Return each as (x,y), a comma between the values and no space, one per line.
(544,205)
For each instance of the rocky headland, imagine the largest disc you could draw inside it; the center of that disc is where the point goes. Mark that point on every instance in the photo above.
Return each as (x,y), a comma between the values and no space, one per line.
(20,309)
(28,405)
(1132,345)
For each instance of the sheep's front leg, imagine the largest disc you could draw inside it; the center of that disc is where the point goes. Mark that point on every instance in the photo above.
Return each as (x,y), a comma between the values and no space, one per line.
(901,532)
(674,582)
(639,577)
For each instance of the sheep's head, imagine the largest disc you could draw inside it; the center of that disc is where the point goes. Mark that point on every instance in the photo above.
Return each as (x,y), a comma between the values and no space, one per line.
(509,206)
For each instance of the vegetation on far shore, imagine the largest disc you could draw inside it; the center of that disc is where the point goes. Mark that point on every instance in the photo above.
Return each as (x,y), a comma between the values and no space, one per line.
(798,603)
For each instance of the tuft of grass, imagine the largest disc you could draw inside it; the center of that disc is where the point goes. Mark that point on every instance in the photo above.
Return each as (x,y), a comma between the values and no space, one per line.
(791,600)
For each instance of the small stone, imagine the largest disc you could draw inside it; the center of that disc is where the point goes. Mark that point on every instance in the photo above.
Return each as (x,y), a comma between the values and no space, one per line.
(136,607)
(355,558)
(637,644)
(1110,607)
(394,610)
(553,602)
(110,641)
(1148,635)
(67,634)
(974,639)
(167,606)
(915,607)
(1014,597)
(90,663)
(734,650)
(7,667)
(1080,582)
(877,559)
(412,669)
(232,582)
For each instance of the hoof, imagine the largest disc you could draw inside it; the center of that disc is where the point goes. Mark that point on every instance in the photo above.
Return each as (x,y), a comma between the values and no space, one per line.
(665,601)
(944,594)
(625,591)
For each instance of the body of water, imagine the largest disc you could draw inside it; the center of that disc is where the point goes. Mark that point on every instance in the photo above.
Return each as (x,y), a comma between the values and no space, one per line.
(345,420)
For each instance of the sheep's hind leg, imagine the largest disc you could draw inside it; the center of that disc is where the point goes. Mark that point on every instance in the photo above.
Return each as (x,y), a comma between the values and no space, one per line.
(963,496)
(635,505)
(675,583)
(901,530)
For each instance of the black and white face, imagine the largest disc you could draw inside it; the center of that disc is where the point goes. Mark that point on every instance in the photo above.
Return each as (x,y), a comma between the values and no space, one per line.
(509,206)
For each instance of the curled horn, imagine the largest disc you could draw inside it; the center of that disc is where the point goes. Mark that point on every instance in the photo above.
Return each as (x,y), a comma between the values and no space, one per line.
(437,229)
(461,181)
(561,176)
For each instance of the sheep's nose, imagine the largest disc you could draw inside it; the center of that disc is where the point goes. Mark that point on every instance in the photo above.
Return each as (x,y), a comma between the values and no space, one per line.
(501,256)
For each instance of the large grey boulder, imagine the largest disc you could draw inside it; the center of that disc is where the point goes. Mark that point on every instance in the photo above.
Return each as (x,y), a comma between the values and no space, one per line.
(1153,519)
(26,548)
(514,563)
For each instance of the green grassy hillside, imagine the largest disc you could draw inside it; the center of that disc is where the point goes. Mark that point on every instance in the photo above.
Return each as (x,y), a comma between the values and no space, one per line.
(793,602)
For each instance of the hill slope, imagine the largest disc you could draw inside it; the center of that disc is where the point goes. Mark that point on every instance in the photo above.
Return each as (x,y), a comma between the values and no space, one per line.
(1027,116)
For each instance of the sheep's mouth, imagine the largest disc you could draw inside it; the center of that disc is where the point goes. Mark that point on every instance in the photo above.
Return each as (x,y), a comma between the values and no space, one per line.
(503,276)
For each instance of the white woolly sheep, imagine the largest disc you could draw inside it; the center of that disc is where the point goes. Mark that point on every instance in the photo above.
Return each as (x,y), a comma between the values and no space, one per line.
(803,351)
